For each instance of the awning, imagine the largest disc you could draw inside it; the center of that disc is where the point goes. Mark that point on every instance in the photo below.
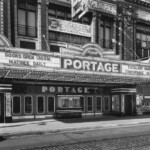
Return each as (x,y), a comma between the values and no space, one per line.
(22,64)
(11,72)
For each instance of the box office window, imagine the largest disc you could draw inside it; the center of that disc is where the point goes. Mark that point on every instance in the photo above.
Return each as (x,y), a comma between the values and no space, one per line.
(90,103)
(16,105)
(28,104)
(70,102)
(40,104)
(50,104)
(99,103)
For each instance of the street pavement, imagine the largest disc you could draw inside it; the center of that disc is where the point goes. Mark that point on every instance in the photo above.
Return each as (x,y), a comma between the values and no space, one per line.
(68,125)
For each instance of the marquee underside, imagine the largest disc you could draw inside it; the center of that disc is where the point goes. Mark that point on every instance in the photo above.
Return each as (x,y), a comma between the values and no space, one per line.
(23,73)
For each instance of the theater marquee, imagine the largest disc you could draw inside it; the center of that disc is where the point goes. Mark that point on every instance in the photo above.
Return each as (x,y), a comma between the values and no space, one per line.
(90,65)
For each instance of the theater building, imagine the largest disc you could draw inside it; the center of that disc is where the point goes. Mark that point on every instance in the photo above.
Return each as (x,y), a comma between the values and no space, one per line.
(63,59)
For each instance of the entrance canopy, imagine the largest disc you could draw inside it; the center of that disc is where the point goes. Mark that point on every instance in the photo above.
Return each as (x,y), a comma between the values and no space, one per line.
(17,63)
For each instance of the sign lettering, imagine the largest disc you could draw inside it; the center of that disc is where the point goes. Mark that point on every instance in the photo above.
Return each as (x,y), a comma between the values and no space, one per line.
(87,65)
(135,69)
(70,90)
(69,27)
(103,6)
(29,60)
(8,105)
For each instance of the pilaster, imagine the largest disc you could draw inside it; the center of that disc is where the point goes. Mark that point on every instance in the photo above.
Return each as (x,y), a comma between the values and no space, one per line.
(114,36)
(93,26)
(39,31)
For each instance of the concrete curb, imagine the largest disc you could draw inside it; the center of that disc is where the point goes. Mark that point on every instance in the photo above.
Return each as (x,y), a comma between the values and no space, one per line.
(54,131)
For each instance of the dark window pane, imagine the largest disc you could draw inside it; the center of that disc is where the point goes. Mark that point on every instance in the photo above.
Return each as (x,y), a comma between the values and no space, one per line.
(60,14)
(28,45)
(22,4)
(54,48)
(106,103)
(16,105)
(31,4)
(82,103)
(99,102)
(90,104)
(28,104)
(50,104)
(40,103)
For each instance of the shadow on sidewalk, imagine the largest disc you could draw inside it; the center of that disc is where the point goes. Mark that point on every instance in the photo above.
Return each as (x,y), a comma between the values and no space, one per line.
(2,138)
(102,118)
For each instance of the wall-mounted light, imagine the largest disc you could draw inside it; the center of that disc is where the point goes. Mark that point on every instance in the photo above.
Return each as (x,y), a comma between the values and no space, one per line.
(46,42)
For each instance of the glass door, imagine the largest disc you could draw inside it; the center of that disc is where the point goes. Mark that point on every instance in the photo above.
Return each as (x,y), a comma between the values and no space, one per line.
(106,100)
(128,105)
(98,103)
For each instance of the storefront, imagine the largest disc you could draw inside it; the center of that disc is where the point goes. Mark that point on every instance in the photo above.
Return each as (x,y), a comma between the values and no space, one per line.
(47,85)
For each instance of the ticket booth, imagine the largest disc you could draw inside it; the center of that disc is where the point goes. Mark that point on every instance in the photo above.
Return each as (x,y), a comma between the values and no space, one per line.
(5,104)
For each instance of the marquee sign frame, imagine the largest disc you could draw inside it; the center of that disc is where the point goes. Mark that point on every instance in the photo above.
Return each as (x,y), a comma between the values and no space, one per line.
(128,75)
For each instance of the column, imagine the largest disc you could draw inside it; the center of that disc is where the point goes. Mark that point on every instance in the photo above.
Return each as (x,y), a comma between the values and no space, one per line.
(39,31)
(98,29)
(114,36)
(93,27)
(15,41)
(134,41)
(9,21)
(1,17)
(120,40)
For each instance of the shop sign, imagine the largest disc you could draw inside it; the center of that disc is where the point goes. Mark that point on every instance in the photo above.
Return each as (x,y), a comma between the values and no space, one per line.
(135,69)
(8,105)
(143,15)
(70,90)
(103,6)
(29,60)
(69,27)
(90,65)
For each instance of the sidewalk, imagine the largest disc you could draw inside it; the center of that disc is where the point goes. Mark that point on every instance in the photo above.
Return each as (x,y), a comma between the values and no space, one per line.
(66,125)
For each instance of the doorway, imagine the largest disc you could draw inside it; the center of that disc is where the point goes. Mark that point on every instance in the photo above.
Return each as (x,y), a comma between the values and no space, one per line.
(1,107)
(128,105)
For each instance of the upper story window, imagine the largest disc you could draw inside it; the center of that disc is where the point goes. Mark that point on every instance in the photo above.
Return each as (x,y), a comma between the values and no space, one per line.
(143,44)
(27,18)
(68,38)
(143,39)
(59,12)
(106,25)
